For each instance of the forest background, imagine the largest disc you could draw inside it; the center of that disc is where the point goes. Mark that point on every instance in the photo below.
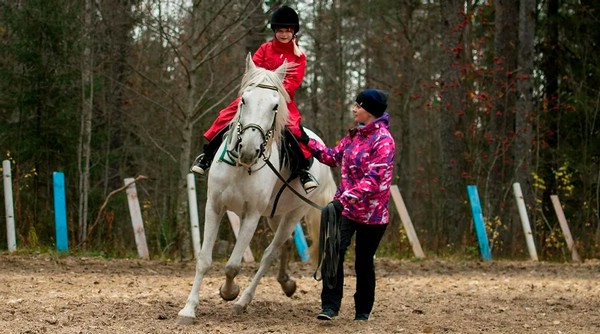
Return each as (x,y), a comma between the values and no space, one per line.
(483,93)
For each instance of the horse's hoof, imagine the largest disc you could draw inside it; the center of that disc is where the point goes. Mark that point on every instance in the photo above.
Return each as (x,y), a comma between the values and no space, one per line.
(186,321)
(238,309)
(289,287)
(235,291)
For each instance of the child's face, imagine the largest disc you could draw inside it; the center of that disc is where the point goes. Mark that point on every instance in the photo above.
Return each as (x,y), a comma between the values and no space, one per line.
(284,35)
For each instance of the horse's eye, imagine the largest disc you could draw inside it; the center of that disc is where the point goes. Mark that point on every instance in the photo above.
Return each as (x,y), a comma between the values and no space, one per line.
(276,107)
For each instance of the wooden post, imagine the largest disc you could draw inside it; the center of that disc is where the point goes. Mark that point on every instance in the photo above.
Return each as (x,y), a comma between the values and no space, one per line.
(565,227)
(136,219)
(406,221)
(482,238)
(525,221)
(193,206)
(234,220)
(11,240)
(60,212)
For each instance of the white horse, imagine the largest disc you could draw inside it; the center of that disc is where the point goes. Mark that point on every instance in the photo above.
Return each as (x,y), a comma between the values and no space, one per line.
(240,181)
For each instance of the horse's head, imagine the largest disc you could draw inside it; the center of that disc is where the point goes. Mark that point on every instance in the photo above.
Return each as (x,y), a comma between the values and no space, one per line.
(262,113)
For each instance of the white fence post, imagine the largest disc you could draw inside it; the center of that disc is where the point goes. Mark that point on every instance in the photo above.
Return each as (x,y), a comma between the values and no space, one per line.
(525,221)
(11,240)
(136,219)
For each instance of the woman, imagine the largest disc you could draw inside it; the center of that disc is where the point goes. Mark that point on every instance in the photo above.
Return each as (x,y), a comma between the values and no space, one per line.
(270,55)
(366,155)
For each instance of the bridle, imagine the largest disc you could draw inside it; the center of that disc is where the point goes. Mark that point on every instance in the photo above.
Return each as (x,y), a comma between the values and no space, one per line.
(266,135)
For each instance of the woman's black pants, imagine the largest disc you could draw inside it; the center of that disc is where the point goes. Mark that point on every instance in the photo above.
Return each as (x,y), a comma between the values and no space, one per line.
(366,243)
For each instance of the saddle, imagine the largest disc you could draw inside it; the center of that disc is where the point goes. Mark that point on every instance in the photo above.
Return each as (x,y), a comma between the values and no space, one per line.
(291,154)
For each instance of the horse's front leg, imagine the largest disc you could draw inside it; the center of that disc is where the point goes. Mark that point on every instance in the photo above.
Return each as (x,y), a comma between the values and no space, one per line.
(187,315)
(288,284)
(283,233)
(230,290)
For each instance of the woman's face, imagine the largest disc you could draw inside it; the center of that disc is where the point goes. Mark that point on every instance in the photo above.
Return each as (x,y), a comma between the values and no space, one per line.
(284,35)
(361,115)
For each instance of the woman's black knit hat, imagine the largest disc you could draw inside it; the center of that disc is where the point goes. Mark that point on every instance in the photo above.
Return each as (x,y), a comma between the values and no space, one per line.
(373,100)
(285,16)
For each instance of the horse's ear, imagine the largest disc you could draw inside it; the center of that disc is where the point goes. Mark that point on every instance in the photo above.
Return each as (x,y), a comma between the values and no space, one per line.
(280,71)
(249,62)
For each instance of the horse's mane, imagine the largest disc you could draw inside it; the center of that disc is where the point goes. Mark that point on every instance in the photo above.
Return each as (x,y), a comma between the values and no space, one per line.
(258,75)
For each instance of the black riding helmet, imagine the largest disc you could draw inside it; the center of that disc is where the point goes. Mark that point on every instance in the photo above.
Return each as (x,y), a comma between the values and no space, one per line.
(285,16)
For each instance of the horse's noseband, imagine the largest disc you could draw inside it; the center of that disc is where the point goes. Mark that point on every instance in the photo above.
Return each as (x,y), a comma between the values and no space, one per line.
(265,135)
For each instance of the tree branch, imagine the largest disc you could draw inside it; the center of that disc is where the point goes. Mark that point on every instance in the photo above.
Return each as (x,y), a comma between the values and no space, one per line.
(103,207)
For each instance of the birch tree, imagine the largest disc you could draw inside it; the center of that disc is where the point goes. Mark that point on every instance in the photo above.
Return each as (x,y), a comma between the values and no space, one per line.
(204,45)
(85,135)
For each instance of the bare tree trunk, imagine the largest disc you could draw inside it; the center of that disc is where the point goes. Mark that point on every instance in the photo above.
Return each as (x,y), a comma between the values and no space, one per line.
(326,70)
(255,27)
(340,66)
(114,33)
(85,137)
(523,122)
(183,227)
(453,223)
(315,117)
(546,159)
(497,196)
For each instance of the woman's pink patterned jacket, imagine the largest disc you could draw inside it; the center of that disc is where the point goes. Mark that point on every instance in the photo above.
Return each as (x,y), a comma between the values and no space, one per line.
(366,155)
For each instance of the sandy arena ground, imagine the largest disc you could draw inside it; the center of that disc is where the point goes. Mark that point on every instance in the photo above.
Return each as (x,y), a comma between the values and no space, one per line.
(45,294)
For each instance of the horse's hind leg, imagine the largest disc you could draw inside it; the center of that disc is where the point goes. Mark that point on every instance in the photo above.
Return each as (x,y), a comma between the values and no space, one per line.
(288,284)
(313,227)
(211,226)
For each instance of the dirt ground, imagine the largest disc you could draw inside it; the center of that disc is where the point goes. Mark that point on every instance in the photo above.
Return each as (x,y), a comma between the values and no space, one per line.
(45,294)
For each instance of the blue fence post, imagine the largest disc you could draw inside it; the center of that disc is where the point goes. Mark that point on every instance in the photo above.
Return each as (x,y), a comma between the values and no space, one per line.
(301,244)
(484,246)
(60,212)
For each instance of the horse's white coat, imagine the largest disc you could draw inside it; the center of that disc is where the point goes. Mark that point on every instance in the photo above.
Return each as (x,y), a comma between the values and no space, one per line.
(252,195)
